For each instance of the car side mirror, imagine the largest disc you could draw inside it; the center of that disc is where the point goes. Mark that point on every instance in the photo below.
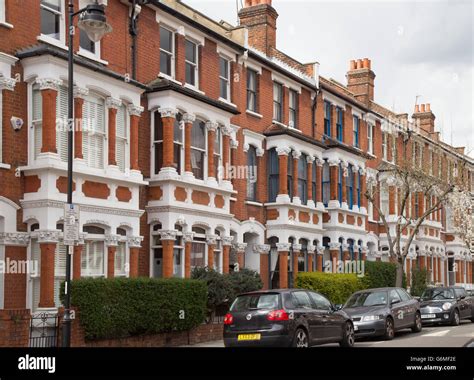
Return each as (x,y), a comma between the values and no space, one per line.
(337,307)
(461,297)
(417,298)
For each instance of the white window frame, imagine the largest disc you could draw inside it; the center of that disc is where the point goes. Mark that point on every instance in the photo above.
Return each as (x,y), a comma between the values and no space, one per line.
(61,42)
(3,15)
(1,125)
(370,138)
(276,85)
(94,238)
(178,271)
(180,143)
(228,98)
(293,123)
(205,174)
(385,145)
(124,140)
(104,134)
(195,64)
(170,53)
(121,244)
(154,141)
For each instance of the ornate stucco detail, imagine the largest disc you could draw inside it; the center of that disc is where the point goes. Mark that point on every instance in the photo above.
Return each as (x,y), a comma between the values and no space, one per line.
(168,234)
(188,237)
(211,239)
(135,110)
(261,248)
(80,92)
(283,247)
(49,83)
(283,150)
(296,247)
(48,236)
(211,126)
(135,241)
(112,240)
(113,103)
(7,83)
(189,118)
(227,240)
(239,247)
(14,238)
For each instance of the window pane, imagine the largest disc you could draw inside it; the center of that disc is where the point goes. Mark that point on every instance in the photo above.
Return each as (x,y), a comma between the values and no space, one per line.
(165,63)
(198,139)
(50,23)
(53,4)
(223,88)
(190,51)
(85,42)
(177,131)
(190,74)
(166,42)
(224,68)
(197,163)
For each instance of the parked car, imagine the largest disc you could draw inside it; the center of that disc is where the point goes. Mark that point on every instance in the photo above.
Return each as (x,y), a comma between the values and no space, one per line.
(285,318)
(470,293)
(382,312)
(447,305)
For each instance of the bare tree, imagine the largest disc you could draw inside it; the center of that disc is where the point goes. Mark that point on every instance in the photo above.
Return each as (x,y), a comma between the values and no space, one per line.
(409,176)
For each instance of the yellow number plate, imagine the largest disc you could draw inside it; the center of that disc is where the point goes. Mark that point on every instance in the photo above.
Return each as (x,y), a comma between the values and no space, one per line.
(248,337)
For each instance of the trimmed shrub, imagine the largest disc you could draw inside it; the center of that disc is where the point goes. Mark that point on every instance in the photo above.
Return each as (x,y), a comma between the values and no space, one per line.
(380,274)
(419,281)
(338,287)
(243,281)
(121,307)
(223,288)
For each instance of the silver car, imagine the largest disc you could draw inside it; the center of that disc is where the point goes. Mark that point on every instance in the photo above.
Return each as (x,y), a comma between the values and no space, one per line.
(382,312)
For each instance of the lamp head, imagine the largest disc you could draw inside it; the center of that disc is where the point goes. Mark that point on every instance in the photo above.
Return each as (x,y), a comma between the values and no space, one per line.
(93,22)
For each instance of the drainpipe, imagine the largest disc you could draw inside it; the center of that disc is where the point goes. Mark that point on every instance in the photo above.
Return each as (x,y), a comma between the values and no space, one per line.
(315,101)
(133,30)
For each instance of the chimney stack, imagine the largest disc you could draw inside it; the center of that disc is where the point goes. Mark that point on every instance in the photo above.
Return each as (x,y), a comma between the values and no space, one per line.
(260,18)
(424,118)
(360,80)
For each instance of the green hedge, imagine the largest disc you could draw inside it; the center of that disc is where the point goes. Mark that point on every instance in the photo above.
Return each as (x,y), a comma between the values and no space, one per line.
(338,287)
(379,274)
(120,307)
(419,281)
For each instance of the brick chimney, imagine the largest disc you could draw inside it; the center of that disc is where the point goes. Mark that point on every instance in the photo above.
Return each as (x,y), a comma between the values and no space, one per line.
(360,80)
(424,118)
(260,18)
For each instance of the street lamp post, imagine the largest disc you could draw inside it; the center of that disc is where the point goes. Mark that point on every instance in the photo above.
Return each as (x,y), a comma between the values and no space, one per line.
(93,22)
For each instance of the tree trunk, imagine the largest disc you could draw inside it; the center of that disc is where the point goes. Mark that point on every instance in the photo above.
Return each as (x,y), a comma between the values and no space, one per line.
(399,276)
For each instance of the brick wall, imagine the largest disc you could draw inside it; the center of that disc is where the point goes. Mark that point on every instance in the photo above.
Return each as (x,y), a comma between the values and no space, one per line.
(14,327)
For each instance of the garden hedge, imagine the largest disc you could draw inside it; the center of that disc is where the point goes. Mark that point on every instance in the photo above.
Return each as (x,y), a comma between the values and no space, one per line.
(336,286)
(419,281)
(379,274)
(120,307)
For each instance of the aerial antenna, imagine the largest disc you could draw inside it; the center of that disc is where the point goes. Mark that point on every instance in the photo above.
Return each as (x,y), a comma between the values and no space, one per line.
(416,100)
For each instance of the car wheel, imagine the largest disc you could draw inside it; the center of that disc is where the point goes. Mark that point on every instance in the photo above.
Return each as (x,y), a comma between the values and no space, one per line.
(455,320)
(301,338)
(389,329)
(348,338)
(418,326)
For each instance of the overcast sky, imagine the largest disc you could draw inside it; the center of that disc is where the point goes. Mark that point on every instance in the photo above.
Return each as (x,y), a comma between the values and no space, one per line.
(417,48)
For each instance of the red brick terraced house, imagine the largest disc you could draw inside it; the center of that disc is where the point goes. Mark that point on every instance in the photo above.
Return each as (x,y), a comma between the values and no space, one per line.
(210,148)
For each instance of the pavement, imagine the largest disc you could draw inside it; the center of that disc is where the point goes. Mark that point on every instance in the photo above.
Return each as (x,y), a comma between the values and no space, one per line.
(430,336)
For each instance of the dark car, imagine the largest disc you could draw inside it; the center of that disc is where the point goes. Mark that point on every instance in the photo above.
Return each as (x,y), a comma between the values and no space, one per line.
(286,318)
(382,312)
(470,293)
(447,305)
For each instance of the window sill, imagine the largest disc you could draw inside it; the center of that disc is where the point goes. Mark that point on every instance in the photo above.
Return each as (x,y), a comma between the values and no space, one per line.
(254,203)
(254,114)
(5,166)
(279,123)
(52,41)
(193,88)
(6,25)
(168,77)
(227,102)
(91,56)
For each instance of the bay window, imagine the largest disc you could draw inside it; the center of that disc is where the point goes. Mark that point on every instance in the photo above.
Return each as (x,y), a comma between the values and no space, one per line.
(326,183)
(93,131)
(303,179)
(198,148)
(178,138)
(273,175)
(198,248)
(224,78)
(92,259)
(166,51)
(158,141)
(121,138)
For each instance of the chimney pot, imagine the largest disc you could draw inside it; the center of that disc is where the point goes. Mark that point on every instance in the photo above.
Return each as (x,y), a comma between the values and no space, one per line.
(422,108)
(352,64)
(417,108)
(428,107)
(359,63)
(248,3)
(366,64)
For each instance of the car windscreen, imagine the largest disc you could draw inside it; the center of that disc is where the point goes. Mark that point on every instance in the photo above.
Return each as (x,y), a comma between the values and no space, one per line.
(367,299)
(437,294)
(256,302)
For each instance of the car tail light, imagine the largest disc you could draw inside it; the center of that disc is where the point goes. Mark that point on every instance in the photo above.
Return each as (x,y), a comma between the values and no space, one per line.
(228,319)
(278,315)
